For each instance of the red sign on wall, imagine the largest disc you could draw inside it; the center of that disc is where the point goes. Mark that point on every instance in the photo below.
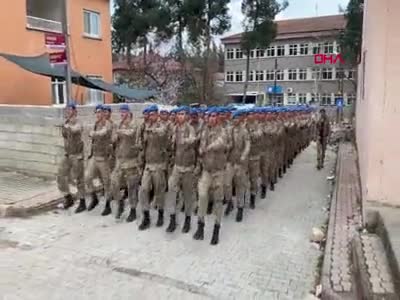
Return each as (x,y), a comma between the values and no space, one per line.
(58,58)
(54,40)
(323,59)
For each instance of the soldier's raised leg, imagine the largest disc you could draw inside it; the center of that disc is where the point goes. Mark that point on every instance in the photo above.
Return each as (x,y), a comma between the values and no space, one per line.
(79,174)
(144,197)
(218,195)
(64,171)
(204,188)
(132,181)
(90,174)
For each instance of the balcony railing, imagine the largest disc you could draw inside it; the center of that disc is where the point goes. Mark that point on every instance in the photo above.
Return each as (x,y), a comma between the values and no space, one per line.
(43,24)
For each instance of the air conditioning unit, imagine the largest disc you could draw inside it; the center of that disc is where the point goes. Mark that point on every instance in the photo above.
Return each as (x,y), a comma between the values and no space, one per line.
(290,90)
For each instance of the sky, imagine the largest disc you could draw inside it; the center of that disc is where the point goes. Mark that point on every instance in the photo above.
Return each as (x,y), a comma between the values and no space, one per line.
(296,9)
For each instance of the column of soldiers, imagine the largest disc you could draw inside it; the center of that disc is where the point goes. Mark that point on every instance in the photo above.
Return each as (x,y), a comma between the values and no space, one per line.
(194,160)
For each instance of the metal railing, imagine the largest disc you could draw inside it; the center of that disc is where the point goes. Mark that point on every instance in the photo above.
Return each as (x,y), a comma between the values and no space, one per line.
(43,24)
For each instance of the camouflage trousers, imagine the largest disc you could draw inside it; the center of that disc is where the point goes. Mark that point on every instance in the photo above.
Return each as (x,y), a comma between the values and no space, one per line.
(267,167)
(71,166)
(254,174)
(211,184)
(98,167)
(181,182)
(126,175)
(228,178)
(239,182)
(321,148)
(154,178)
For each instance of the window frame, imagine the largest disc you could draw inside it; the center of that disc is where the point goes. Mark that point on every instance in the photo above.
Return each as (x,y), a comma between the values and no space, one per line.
(270,51)
(305,47)
(239,51)
(271,74)
(280,47)
(91,92)
(240,74)
(230,52)
(292,74)
(227,76)
(293,49)
(280,75)
(326,71)
(90,34)
(302,96)
(291,96)
(302,72)
(258,74)
(55,84)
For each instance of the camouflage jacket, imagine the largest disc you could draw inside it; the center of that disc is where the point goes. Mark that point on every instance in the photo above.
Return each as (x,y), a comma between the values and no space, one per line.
(240,145)
(128,144)
(155,145)
(101,140)
(184,146)
(212,148)
(72,134)
(256,135)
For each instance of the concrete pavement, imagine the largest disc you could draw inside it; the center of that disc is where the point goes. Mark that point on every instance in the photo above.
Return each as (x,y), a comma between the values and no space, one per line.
(269,256)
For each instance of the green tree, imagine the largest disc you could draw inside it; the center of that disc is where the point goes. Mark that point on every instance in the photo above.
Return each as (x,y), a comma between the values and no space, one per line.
(351,37)
(205,19)
(259,28)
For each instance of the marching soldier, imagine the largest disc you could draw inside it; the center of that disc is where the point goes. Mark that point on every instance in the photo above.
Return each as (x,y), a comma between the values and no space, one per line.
(256,134)
(72,160)
(323,130)
(212,150)
(239,158)
(128,168)
(183,144)
(107,115)
(155,157)
(98,163)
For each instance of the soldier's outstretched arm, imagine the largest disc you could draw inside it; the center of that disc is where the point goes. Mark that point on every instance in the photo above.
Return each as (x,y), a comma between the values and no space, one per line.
(75,128)
(191,139)
(246,150)
(99,133)
(219,143)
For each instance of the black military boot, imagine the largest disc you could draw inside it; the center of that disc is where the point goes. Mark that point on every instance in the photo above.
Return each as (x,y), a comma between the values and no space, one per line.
(120,209)
(210,207)
(229,208)
(94,202)
(252,201)
(263,191)
(186,226)
(172,224)
(146,221)
(125,194)
(81,207)
(132,215)
(280,173)
(199,234)
(272,186)
(215,236)
(239,214)
(68,201)
(183,207)
(160,219)
(107,209)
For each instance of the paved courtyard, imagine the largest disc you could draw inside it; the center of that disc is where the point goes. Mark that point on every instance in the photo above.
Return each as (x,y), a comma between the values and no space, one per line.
(65,256)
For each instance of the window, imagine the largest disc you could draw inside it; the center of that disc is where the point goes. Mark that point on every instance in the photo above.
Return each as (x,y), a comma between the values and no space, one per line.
(350,74)
(351,99)
(327,73)
(292,99)
(280,75)
(293,74)
(270,75)
(251,76)
(270,51)
(252,53)
(303,49)
(229,76)
(316,73)
(259,75)
(328,47)
(293,49)
(59,90)
(317,48)
(302,98)
(44,15)
(91,23)
(95,96)
(302,74)
(260,52)
(239,76)
(315,98)
(230,53)
(239,53)
(339,73)
(280,50)
(338,48)
(326,99)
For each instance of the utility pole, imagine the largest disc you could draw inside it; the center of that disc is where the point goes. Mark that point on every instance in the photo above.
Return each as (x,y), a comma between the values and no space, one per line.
(67,52)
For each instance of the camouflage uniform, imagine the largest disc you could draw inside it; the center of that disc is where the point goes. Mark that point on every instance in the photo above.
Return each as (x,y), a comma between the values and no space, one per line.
(72,161)
(98,163)
(154,174)
(128,168)
(182,177)
(229,166)
(267,157)
(256,135)
(323,131)
(239,158)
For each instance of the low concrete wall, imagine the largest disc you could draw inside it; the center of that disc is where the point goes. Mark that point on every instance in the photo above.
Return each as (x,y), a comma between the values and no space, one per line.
(30,136)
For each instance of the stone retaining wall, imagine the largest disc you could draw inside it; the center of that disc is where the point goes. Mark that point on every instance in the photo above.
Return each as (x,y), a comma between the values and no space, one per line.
(30,137)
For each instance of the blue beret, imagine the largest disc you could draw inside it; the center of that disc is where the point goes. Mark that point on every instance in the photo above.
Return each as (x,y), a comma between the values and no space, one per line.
(152,108)
(107,108)
(194,111)
(72,105)
(99,107)
(238,113)
(124,107)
